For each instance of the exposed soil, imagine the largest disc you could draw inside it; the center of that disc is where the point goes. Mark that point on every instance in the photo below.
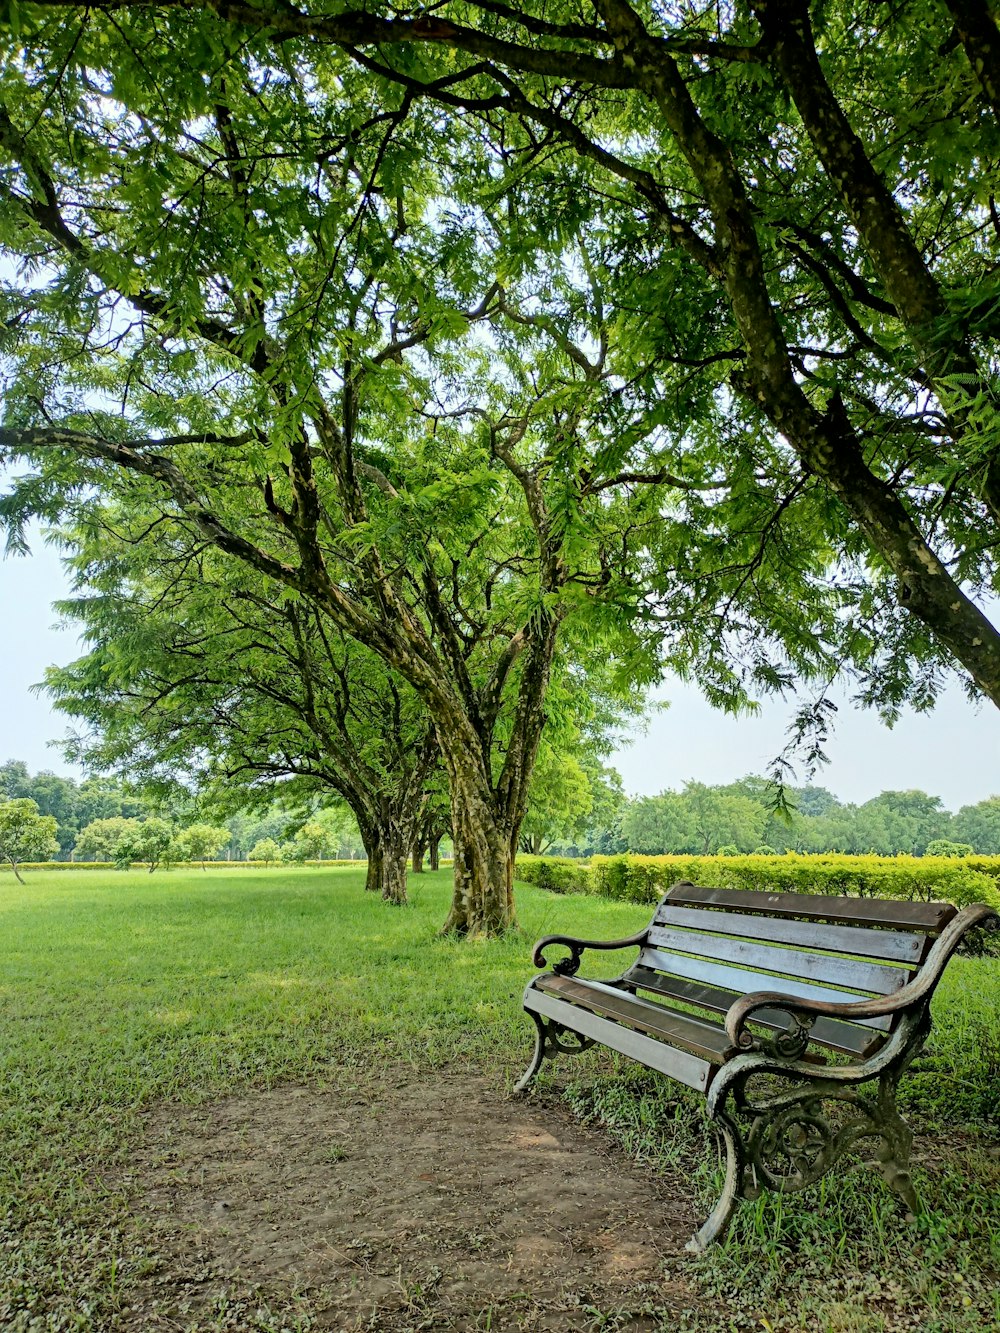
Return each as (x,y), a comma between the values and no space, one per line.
(435,1203)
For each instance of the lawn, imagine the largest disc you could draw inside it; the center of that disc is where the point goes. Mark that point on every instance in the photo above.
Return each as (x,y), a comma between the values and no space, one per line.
(123,989)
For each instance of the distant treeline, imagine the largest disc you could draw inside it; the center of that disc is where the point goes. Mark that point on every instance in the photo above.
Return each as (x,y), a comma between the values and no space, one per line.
(739,817)
(91,815)
(748,816)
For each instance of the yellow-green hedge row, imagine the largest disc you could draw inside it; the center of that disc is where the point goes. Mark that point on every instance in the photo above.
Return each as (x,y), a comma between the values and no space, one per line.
(358,863)
(644,879)
(175,865)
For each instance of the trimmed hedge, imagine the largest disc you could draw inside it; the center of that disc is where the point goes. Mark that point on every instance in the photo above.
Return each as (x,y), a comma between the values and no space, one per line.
(644,879)
(445,864)
(561,874)
(180,865)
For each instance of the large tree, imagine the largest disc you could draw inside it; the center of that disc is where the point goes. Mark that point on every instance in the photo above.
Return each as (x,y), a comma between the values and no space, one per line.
(196,671)
(321,430)
(746,266)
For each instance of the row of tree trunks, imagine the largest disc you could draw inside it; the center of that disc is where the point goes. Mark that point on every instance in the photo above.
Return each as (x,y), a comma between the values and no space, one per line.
(427,842)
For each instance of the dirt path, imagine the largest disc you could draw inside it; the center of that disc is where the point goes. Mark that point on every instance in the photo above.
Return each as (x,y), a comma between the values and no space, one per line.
(430,1204)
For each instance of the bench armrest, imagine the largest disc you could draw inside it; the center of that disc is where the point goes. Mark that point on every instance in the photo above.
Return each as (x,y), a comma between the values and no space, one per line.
(805,1012)
(568,967)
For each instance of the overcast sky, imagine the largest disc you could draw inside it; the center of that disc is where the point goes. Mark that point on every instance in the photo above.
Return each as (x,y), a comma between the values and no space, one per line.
(953,752)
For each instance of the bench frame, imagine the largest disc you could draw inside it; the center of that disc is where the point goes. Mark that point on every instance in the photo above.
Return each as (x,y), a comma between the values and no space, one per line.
(785,1114)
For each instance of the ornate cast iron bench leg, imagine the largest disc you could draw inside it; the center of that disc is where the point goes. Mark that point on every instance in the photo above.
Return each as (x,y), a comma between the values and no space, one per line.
(550,1040)
(795,1136)
(715,1225)
(537,1058)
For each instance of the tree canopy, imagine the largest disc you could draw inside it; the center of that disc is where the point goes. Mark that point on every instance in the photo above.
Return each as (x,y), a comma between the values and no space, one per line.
(679,325)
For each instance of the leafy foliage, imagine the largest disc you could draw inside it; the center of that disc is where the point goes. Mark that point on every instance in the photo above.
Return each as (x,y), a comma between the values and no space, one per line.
(673,326)
(25,833)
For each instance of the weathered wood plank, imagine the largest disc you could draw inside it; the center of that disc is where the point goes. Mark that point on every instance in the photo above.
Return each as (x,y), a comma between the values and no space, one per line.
(705,1039)
(681,1065)
(890,945)
(856,973)
(818,907)
(847,1038)
(745,982)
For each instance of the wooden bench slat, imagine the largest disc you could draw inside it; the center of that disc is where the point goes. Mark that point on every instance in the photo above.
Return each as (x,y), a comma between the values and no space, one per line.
(707,1040)
(856,973)
(847,1038)
(681,1065)
(746,982)
(932,917)
(890,945)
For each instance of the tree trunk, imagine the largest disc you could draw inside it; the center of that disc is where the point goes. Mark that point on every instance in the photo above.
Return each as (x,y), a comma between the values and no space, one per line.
(419,850)
(433,845)
(17,873)
(483,895)
(374,870)
(393,880)
(387,855)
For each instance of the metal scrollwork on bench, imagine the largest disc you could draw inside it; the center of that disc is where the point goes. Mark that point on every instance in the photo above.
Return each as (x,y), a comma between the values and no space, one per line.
(791,1042)
(569,966)
(792,1147)
(563,1041)
(552,1040)
(797,1136)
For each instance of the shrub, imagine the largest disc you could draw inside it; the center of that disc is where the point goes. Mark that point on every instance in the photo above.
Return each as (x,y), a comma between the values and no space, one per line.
(560,874)
(942,847)
(644,879)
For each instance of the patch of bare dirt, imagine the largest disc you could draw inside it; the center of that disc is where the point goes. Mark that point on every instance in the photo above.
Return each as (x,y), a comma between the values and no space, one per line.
(436,1203)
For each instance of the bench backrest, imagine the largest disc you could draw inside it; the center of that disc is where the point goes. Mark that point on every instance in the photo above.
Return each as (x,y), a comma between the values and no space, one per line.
(707,946)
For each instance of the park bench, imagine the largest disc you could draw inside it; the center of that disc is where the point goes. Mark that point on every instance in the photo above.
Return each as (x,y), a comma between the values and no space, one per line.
(826,1000)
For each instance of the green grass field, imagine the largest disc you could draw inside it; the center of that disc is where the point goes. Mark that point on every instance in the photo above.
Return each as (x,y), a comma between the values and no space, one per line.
(121,989)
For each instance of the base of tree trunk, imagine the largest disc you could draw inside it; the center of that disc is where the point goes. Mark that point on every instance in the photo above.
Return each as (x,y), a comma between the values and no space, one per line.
(387,873)
(393,883)
(372,875)
(433,853)
(483,896)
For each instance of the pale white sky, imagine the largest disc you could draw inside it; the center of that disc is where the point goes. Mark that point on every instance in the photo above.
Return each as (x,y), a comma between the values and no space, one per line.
(953,752)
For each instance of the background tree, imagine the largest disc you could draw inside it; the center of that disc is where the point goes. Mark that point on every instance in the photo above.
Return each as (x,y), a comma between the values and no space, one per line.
(979,824)
(559,801)
(25,834)
(202,842)
(100,838)
(911,819)
(313,841)
(945,847)
(148,841)
(653,825)
(266,850)
(197,669)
